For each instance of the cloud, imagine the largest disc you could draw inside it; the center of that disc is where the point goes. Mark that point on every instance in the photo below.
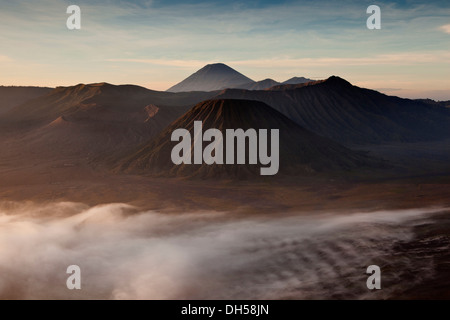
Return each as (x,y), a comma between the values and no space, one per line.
(382,59)
(125,253)
(301,36)
(165,62)
(445,28)
(283,62)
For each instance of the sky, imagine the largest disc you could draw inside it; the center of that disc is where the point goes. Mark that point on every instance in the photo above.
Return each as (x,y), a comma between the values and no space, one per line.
(157,43)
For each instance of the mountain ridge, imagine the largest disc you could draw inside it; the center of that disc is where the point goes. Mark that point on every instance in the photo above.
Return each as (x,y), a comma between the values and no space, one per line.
(219,76)
(350,115)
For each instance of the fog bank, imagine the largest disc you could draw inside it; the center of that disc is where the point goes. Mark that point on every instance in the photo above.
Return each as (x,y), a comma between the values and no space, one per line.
(124,253)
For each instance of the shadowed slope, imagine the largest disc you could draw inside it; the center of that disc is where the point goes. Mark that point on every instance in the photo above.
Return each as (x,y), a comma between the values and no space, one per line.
(95,118)
(14,96)
(336,109)
(301,152)
(81,99)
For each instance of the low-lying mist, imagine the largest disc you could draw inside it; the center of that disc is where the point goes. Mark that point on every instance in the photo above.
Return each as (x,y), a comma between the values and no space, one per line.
(124,253)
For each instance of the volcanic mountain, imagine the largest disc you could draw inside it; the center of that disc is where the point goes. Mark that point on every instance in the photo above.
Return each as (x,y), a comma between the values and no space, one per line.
(13,96)
(350,115)
(97,117)
(212,77)
(219,76)
(82,101)
(301,151)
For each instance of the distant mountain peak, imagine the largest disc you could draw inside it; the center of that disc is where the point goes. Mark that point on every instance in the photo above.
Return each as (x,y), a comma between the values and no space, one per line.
(297,80)
(260,85)
(217,65)
(212,77)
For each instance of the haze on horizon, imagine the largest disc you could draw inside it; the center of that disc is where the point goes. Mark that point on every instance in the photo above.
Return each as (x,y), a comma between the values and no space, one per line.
(156,44)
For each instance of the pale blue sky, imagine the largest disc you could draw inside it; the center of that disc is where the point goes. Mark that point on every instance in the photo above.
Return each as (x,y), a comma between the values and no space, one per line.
(158,43)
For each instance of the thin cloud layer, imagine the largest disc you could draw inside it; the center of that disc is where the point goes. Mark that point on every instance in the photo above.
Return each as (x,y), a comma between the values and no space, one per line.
(445,28)
(170,37)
